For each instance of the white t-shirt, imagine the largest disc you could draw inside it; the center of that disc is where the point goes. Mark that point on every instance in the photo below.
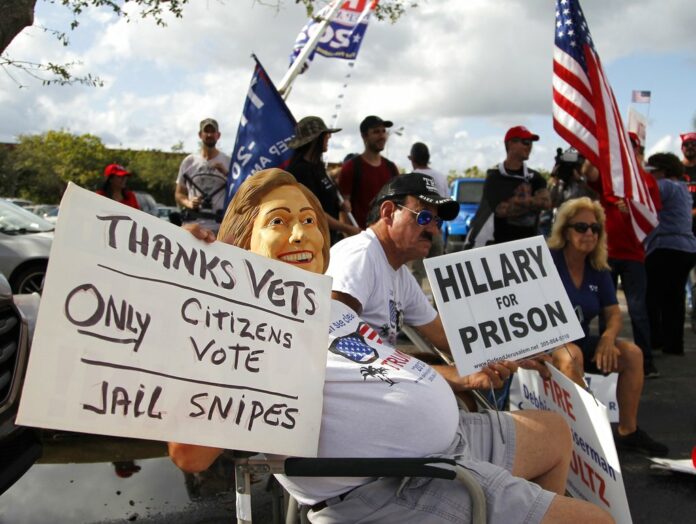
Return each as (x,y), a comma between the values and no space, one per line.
(378,403)
(208,179)
(388,297)
(439,178)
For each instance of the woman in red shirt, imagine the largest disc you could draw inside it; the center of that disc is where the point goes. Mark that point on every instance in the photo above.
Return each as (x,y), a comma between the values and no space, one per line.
(115,186)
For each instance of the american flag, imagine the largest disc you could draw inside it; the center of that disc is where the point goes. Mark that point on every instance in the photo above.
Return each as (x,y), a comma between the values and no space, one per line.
(640,97)
(585,114)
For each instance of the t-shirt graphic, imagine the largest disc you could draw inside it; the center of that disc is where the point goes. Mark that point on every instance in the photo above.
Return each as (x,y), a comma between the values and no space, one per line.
(353,346)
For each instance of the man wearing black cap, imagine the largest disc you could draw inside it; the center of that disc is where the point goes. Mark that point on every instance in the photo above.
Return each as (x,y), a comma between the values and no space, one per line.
(363,176)
(369,271)
(202,179)
(513,195)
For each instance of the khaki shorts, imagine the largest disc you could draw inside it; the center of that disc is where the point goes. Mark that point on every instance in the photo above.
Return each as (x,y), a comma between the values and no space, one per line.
(477,447)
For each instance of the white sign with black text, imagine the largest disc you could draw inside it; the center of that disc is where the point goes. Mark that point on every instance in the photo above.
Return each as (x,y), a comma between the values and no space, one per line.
(501,302)
(144,331)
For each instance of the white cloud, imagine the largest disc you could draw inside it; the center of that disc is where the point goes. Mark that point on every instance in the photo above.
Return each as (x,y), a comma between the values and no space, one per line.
(454,74)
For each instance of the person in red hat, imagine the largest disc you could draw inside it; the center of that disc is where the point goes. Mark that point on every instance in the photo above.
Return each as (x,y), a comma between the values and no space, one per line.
(513,195)
(114,186)
(688,147)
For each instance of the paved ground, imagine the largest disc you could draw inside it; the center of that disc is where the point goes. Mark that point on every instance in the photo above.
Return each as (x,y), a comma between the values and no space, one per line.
(668,413)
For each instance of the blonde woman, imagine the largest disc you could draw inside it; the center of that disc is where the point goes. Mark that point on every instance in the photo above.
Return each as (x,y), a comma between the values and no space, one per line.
(578,244)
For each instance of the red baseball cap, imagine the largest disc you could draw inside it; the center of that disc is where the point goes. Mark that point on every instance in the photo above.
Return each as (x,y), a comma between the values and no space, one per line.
(688,137)
(520,132)
(115,170)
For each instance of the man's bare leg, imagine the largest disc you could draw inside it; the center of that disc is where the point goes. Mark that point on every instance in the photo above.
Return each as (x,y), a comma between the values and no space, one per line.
(566,509)
(543,449)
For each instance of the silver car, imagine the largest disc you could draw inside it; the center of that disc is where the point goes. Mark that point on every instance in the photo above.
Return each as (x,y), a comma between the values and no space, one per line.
(25,243)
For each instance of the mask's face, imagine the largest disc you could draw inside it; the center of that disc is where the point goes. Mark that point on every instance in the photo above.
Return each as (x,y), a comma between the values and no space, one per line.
(287,229)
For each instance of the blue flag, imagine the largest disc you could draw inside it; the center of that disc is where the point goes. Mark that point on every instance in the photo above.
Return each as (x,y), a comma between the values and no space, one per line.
(266,127)
(343,35)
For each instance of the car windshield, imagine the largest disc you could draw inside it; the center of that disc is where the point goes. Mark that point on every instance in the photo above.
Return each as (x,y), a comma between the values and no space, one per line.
(17,221)
(470,192)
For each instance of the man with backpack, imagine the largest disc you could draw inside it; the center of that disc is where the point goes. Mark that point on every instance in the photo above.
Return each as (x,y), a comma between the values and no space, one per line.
(362,177)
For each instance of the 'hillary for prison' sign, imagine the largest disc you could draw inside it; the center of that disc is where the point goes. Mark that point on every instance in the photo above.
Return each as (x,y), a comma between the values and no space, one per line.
(502,302)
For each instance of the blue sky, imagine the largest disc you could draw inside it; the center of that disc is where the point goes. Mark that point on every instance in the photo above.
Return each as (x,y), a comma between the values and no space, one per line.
(453,74)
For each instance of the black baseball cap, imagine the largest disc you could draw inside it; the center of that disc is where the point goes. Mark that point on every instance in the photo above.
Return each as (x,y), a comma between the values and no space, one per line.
(423,188)
(373,121)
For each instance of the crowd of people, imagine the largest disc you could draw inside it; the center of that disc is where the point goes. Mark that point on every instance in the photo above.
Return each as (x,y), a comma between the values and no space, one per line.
(379,225)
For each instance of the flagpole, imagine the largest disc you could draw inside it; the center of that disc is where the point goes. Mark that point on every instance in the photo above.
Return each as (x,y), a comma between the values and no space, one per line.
(296,67)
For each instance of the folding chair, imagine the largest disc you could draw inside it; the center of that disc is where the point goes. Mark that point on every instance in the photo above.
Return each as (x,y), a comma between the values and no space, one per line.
(441,468)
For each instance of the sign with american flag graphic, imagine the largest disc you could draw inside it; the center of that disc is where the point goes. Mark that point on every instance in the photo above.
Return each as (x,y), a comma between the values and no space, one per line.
(586,115)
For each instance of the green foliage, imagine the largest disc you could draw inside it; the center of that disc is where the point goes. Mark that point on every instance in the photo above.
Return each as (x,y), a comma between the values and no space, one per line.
(50,73)
(39,167)
(390,10)
(469,172)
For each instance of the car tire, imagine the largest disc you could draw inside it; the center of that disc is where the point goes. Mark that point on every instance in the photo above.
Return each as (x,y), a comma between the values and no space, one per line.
(29,279)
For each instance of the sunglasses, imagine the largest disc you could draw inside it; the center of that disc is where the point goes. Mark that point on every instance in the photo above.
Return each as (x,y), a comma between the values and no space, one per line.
(523,141)
(690,143)
(582,227)
(424,217)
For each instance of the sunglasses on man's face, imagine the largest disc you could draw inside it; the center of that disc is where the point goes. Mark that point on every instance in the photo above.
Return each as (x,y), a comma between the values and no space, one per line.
(523,141)
(582,227)
(424,217)
(690,143)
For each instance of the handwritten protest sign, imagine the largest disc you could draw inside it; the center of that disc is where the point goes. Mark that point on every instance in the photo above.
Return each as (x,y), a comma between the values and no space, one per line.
(602,387)
(501,302)
(595,472)
(144,331)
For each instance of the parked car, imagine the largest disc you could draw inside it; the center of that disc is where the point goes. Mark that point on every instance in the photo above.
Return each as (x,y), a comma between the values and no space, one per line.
(466,191)
(25,243)
(19,447)
(19,202)
(46,211)
(164,212)
(146,202)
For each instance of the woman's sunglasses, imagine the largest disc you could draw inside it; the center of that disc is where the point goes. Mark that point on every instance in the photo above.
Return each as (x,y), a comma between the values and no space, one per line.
(582,227)
(424,217)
